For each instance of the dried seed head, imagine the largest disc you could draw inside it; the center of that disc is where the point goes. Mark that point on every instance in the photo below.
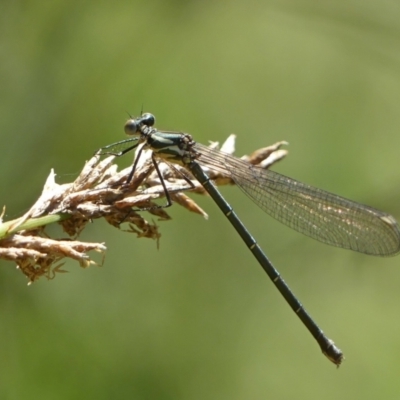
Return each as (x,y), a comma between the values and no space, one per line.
(100,191)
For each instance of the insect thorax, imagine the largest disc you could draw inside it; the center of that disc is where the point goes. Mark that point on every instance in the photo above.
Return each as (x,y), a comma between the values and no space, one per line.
(174,147)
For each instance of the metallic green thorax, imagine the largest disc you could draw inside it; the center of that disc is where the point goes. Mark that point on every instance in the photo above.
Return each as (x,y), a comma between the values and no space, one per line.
(172,147)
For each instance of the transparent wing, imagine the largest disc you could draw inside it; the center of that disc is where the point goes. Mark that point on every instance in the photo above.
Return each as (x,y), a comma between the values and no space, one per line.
(321,215)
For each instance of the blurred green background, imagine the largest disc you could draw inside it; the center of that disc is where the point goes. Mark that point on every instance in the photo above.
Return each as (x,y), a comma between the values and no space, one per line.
(198,318)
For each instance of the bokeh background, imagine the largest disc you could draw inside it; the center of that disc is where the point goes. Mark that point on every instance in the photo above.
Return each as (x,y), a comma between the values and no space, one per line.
(198,318)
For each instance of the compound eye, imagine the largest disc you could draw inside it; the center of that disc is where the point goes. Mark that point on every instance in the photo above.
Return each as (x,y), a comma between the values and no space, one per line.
(148,119)
(131,127)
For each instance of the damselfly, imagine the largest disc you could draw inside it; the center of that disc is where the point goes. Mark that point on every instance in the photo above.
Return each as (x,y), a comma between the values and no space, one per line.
(323,216)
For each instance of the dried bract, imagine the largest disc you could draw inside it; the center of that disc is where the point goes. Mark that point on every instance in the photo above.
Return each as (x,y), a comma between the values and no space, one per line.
(100,191)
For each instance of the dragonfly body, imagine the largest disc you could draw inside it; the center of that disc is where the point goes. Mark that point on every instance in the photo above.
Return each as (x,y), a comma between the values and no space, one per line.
(321,215)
